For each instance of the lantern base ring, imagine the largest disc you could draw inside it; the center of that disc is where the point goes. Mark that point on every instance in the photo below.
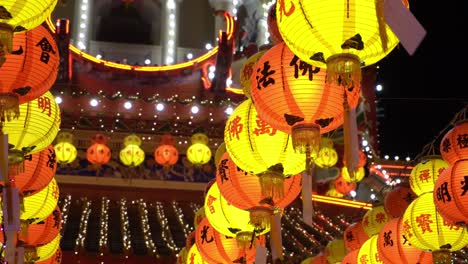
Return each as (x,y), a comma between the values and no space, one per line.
(260,217)
(244,239)
(441,257)
(306,139)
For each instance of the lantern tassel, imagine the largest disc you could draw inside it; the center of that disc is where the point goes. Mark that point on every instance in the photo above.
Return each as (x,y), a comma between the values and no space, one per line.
(260,216)
(441,257)
(9,106)
(30,255)
(344,70)
(272,182)
(245,239)
(350,139)
(6,42)
(276,243)
(307,206)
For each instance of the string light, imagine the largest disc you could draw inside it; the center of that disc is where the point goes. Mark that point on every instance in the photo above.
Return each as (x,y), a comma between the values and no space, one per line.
(104,225)
(83,228)
(165,231)
(124,227)
(65,212)
(146,228)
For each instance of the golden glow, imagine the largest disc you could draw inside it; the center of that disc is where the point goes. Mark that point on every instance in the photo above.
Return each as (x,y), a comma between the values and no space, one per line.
(194,256)
(341,202)
(358,175)
(46,251)
(425,174)
(315,26)
(426,229)
(198,60)
(224,216)
(368,253)
(66,152)
(375,219)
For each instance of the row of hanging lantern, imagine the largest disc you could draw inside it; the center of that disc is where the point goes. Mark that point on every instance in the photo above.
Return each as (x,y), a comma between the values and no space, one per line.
(29,120)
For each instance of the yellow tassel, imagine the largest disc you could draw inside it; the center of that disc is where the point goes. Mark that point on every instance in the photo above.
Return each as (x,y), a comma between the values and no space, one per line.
(272,182)
(9,107)
(260,216)
(379,9)
(344,70)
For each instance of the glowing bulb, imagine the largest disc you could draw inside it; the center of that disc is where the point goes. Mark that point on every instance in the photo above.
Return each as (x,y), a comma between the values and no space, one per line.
(372,196)
(99,56)
(352,193)
(160,106)
(93,102)
(365,143)
(194,109)
(127,105)
(378,87)
(229,110)
(189,56)
(208,46)
(147,61)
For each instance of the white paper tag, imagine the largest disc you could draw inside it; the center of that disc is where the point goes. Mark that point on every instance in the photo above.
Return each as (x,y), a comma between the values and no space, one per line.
(403,23)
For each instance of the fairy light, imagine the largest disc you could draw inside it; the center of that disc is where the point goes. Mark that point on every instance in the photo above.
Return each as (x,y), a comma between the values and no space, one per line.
(83,228)
(65,212)
(124,226)
(145,226)
(180,217)
(166,233)
(104,225)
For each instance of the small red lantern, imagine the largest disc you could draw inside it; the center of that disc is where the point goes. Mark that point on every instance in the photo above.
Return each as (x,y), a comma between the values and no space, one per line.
(451,146)
(342,186)
(166,153)
(450,190)
(98,153)
(397,200)
(354,236)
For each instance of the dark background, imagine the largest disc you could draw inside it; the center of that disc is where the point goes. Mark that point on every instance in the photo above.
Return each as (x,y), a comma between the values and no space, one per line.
(423,92)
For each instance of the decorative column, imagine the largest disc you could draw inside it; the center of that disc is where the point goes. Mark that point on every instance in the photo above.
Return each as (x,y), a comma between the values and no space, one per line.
(221,6)
(81,33)
(170,15)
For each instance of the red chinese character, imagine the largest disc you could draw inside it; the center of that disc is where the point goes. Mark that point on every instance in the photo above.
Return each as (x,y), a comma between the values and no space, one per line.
(248,70)
(407,228)
(451,226)
(424,222)
(211,199)
(424,175)
(44,104)
(263,128)
(363,259)
(55,192)
(235,127)
(192,258)
(365,221)
(283,9)
(380,218)
(440,171)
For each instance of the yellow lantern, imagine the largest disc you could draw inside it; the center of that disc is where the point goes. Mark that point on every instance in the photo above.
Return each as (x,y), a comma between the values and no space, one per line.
(63,136)
(357,177)
(425,174)
(247,70)
(132,155)
(228,219)
(45,251)
(335,251)
(16,16)
(375,219)
(219,153)
(199,215)
(132,139)
(40,205)
(427,230)
(182,256)
(36,127)
(66,152)
(332,192)
(199,137)
(368,254)
(327,156)
(194,256)
(198,154)
(256,147)
(340,36)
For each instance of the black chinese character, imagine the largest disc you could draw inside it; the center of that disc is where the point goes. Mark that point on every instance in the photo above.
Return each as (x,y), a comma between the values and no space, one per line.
(443,193)
(204,233)
(222,167)
(51,159)
(305,67)
(464,185)
(446,145)
(265,80)
(462,141)
(388,239)
(349,236)
(239,169)
(56,215)
(46,49)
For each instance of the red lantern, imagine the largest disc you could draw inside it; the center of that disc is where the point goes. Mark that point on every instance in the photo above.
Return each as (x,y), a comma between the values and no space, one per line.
(166,155)
(98,153)
(450,196)
(29,70)
(450,147)
(38,171)
(218,248)
(244,190)
(342,186)
(394,248)
(351,257)
(275,35)
(354,236)
(397,200)
(43,232)
(292,97)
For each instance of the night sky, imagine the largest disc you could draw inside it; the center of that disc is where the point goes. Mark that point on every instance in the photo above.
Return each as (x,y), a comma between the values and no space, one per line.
(423,92)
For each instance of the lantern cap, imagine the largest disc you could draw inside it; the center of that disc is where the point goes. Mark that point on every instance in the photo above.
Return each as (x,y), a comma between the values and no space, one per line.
(306,138)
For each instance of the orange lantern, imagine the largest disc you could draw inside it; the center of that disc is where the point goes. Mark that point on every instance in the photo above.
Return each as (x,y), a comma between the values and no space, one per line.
(272,25)
(98,153)
(397,200)
(291,96)
(427,230)
(450,196)
(166,155)
(29,70)
(394,248)
(375,219)
(354,236)
(39,169)
(343,186)
(452,146)
(351,257)
(43,232)
(425,173)
(217,248)
(244,190)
